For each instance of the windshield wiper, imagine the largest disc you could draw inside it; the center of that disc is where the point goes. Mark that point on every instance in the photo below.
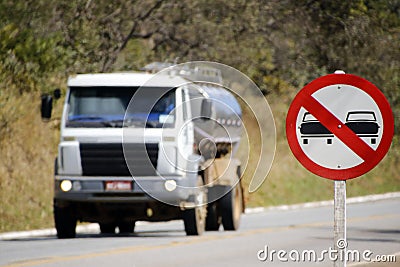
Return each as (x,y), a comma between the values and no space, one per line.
(87,118)
(113,123)
(95,121)
(124,123)
(88,121)
(134,123)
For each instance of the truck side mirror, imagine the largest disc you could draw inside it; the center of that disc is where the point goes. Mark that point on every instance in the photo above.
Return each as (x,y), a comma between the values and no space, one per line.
(206,109)
(46,107)
(57,93)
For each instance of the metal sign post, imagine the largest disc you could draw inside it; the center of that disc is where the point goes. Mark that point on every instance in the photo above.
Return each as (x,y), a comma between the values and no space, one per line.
(339,219)
(339,224)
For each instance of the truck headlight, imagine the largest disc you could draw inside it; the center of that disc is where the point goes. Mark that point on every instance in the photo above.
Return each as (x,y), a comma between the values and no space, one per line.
(66,185)
(170,185)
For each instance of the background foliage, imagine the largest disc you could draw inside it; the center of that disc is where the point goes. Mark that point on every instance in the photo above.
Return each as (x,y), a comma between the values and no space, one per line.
(280,44)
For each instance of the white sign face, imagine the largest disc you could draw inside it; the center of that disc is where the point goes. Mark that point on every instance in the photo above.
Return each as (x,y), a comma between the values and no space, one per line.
(352,107)
(339,126)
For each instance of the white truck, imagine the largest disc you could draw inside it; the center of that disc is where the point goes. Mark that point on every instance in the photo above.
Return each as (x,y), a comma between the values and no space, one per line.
(147,147)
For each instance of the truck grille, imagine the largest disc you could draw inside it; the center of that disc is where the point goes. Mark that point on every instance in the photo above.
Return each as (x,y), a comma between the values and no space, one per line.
(109,160)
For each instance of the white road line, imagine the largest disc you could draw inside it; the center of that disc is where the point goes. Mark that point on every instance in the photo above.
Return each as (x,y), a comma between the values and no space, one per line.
(325,203)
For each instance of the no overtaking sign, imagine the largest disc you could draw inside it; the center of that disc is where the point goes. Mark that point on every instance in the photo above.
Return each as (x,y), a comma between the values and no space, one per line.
(339,126)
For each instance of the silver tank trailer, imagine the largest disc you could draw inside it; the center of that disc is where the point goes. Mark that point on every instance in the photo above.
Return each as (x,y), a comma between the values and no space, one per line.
(217,120)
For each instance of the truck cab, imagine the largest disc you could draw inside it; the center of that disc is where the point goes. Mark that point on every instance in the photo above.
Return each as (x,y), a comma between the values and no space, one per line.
(132,149)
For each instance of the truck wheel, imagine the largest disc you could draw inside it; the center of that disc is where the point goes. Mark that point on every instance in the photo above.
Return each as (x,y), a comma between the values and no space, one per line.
(231,208)
(213,219)
(126,227)
(194,222)
(107,228)
(65,222)
(195,218)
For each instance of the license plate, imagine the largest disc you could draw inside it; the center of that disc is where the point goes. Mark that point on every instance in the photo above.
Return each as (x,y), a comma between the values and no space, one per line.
(118,186)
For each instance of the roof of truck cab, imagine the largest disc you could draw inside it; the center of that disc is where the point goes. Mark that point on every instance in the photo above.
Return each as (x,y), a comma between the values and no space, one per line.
(128,79)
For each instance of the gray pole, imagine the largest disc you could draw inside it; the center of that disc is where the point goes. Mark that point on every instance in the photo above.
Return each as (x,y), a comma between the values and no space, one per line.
(339,224)
(339,235)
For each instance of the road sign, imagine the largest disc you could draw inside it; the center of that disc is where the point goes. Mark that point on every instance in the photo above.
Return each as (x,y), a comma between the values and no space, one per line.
(339,126)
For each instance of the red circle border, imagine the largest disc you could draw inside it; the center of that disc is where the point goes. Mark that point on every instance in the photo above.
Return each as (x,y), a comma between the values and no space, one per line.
(362,84)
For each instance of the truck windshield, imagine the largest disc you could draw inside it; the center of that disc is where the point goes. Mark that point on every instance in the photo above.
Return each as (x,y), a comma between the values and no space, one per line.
(107,107)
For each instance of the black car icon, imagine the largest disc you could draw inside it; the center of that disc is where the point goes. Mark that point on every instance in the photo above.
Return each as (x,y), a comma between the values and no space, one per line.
(363,124)
(312,128)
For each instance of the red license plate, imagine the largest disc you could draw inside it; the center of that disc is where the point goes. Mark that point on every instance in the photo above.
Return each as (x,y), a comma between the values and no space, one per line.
(118,186)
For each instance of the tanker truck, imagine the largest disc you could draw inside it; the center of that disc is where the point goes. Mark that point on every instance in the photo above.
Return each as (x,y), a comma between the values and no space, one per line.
(137,146)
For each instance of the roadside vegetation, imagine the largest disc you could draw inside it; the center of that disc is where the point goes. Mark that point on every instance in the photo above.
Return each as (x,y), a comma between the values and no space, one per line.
(281,45)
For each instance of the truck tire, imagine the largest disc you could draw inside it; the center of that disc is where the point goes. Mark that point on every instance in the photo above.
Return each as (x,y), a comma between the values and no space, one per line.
(231,206)
(126,227)
(194,224)
(213,220)
(107,228)
(65,222)
(194,219)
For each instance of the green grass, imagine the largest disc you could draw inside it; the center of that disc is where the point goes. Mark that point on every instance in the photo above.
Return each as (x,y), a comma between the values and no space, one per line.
(289,182)
(27,151)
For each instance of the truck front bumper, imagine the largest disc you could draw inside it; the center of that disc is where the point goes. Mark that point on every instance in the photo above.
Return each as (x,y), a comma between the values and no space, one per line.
(174,190)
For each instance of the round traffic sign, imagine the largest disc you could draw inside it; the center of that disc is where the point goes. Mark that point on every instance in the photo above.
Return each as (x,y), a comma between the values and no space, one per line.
(339,126)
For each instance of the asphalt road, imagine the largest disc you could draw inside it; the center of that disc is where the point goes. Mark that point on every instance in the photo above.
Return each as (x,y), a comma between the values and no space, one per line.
(371,226)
